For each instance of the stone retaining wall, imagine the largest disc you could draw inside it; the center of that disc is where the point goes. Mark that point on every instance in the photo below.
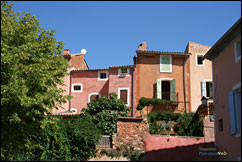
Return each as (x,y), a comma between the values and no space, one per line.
(131,132)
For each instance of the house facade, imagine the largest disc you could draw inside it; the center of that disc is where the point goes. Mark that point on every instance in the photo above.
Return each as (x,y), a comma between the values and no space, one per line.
(175,76)
(95,83)
(226,65)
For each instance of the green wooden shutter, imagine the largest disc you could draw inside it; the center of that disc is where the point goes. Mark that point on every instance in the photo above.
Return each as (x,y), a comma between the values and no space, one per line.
(158,88)
(173,90)
(165,63)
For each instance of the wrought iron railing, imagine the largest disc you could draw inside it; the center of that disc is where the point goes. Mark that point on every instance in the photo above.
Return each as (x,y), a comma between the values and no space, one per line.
(169,96)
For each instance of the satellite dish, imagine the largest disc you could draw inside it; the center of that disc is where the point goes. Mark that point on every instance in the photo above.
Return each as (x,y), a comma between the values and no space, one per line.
(83,51)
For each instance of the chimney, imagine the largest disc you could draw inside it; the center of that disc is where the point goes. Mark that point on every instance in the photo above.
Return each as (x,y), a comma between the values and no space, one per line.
(66,51)
(135,60)
(142,46)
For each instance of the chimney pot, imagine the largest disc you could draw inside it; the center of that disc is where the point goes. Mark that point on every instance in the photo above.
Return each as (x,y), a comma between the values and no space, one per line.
(66,51)
(142,46)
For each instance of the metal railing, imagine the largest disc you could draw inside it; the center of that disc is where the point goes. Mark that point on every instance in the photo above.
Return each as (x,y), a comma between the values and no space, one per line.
(169,96)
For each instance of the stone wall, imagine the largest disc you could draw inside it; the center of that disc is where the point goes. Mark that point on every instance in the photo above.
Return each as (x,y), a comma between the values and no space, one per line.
(208,129)
(131,132)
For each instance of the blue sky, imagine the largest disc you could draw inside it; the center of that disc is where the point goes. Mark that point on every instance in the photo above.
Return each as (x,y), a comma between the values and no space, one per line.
(112,30)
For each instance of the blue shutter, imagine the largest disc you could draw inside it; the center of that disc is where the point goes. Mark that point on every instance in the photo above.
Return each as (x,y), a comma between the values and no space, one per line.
(231,112)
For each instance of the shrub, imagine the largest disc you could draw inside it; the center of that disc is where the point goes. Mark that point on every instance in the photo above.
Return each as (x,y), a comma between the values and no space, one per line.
(104,112)
(189,124)
(152,101)
(83,137)
(161,121)
(52,144)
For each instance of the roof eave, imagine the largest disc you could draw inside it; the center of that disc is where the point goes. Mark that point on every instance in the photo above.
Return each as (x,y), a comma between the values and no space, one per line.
(161,52)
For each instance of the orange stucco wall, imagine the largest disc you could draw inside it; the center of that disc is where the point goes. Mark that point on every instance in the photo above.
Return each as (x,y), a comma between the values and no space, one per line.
(227,73)
(148,71)
(198,73)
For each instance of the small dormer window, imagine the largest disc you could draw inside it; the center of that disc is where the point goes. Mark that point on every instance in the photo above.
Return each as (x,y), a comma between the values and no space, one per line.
(124,71)
(102,75)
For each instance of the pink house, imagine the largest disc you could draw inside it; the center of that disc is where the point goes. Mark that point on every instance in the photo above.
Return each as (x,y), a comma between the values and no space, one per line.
(94,83)
(85,84)
(226,62)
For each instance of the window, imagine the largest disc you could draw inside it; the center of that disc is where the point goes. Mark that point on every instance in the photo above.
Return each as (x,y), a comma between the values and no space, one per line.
(77,87)
(165,63)
(166,89)
(122,72)
(102,75)
(123,94)
(237,49)
(199,60)
(234,102)
(220,125)
(207,89)
(93,96)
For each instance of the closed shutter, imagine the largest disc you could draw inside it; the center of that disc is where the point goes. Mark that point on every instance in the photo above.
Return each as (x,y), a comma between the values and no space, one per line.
(123,95)
(158,88)
(231,113)
(173,90)
(203,85)
(165,63)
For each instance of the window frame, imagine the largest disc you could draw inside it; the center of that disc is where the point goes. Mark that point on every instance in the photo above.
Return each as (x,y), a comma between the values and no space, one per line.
(207,80)
(93,93)
(119,94)
(99,75)
(162,71)
(237,58)
(197,55)
(75,84)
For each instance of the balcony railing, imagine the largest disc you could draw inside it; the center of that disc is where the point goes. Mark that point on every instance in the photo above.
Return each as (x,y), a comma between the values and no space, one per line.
(169,96)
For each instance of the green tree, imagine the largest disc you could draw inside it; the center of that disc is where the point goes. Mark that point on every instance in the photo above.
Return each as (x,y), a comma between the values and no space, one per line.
(83,136)
(104,112)
(31,69)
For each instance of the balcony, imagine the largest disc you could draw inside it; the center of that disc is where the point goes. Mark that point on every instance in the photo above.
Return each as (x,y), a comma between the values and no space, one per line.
(170,96)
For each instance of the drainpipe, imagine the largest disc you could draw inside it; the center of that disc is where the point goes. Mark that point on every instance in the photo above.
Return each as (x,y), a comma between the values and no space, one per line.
(132,98)
(71,75)
(184,80)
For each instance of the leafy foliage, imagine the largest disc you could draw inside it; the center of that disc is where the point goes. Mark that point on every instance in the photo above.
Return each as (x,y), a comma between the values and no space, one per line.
(61,140)
(104,112)
(161,121)
(187,124)
(50,145)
